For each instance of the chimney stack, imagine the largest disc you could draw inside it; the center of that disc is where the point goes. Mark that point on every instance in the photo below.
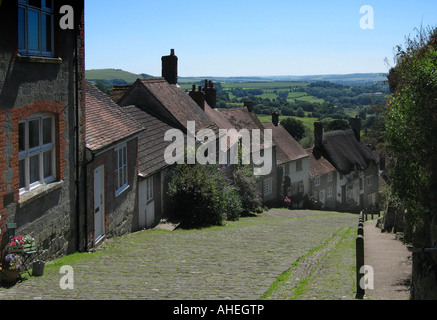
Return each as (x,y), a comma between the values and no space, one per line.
(355,124)
(198,96)
(318,134)
(170,68)
(249,105)
(275,118)
(210,94)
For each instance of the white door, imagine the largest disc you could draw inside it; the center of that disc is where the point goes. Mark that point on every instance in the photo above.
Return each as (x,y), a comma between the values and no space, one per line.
(99,202)
(146,203)
(322,197)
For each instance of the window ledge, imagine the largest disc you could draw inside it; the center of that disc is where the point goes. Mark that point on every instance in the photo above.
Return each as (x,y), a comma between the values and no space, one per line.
(38,193)
(38,59)
(121,190)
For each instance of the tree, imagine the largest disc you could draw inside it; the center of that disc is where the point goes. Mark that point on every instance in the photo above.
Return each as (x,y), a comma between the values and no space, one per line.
(411,126)
(202,196)
(295,127)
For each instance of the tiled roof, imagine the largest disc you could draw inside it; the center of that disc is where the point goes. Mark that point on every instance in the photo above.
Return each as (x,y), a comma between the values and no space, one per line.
(344,152)
(318,167)
(151,144)
(105,122)
(168,102)
(241,118)
(287,148)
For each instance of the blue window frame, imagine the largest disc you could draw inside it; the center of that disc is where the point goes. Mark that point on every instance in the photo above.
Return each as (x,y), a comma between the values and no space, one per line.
(35,27)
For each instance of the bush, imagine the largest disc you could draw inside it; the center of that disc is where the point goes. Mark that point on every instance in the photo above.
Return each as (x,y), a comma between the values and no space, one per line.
(201,196)
(245,184)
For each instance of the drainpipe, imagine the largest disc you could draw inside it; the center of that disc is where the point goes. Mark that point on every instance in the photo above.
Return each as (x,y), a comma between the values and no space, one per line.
(77,129)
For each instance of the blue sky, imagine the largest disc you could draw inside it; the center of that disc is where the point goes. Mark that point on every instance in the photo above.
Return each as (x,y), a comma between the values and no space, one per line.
(250,37)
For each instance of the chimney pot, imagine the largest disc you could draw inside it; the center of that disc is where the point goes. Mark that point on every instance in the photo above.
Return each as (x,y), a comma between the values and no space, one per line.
(275,118)
(355,124)
(249,105)
(170,68)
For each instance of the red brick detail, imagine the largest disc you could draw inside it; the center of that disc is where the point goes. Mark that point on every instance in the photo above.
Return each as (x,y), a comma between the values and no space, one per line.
(21,113)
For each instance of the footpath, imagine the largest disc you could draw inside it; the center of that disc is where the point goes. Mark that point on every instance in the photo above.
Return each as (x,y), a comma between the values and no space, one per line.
(391,262)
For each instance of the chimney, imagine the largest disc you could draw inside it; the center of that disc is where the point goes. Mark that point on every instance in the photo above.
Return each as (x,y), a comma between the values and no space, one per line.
(318,134)
(198,96)
(275,118)
(170,68)
(249,105)
(210,94)
(355,124)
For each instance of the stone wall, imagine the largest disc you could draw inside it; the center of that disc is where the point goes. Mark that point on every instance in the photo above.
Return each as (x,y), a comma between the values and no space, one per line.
(30,85)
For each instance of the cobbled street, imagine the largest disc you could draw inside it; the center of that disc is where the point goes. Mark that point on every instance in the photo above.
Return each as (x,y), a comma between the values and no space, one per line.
(241,261)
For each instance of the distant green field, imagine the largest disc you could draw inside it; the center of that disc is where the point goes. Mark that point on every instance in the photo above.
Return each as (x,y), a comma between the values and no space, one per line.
(308,122)
(265,85)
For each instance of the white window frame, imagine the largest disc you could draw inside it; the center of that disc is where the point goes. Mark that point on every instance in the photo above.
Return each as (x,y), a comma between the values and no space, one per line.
(317,181)
(121,169)
(329,193)
(371,199)
(287,170)
(40,150)
(149,182)
(330,177)
(46,11)
(299,165)
(369,181)
(268,186)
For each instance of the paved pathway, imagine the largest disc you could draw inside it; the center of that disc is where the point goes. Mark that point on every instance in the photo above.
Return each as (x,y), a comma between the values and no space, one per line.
(240,261)
(391,263)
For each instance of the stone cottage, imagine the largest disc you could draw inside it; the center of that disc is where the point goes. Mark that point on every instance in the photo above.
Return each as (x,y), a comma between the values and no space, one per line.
(293,161)
(42,125)
(111,167)
(322,181)
(358,180)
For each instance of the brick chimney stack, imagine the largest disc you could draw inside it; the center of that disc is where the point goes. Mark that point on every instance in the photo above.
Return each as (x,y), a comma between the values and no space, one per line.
(170,68)
(275,118)
(249,105)
(210,94)
(355,124)
(198,96)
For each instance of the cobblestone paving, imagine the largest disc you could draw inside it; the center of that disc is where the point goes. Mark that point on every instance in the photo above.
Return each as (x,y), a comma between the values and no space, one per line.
(240,261)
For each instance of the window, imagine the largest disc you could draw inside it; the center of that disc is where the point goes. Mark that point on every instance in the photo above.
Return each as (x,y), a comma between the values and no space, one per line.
(371,199)
(369,181)
(268,186)
(298,165)
(36,136)
(149,189)
(317,181)
(330,177)
(287,169)
(120,169)
(329,193)
(35,27)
